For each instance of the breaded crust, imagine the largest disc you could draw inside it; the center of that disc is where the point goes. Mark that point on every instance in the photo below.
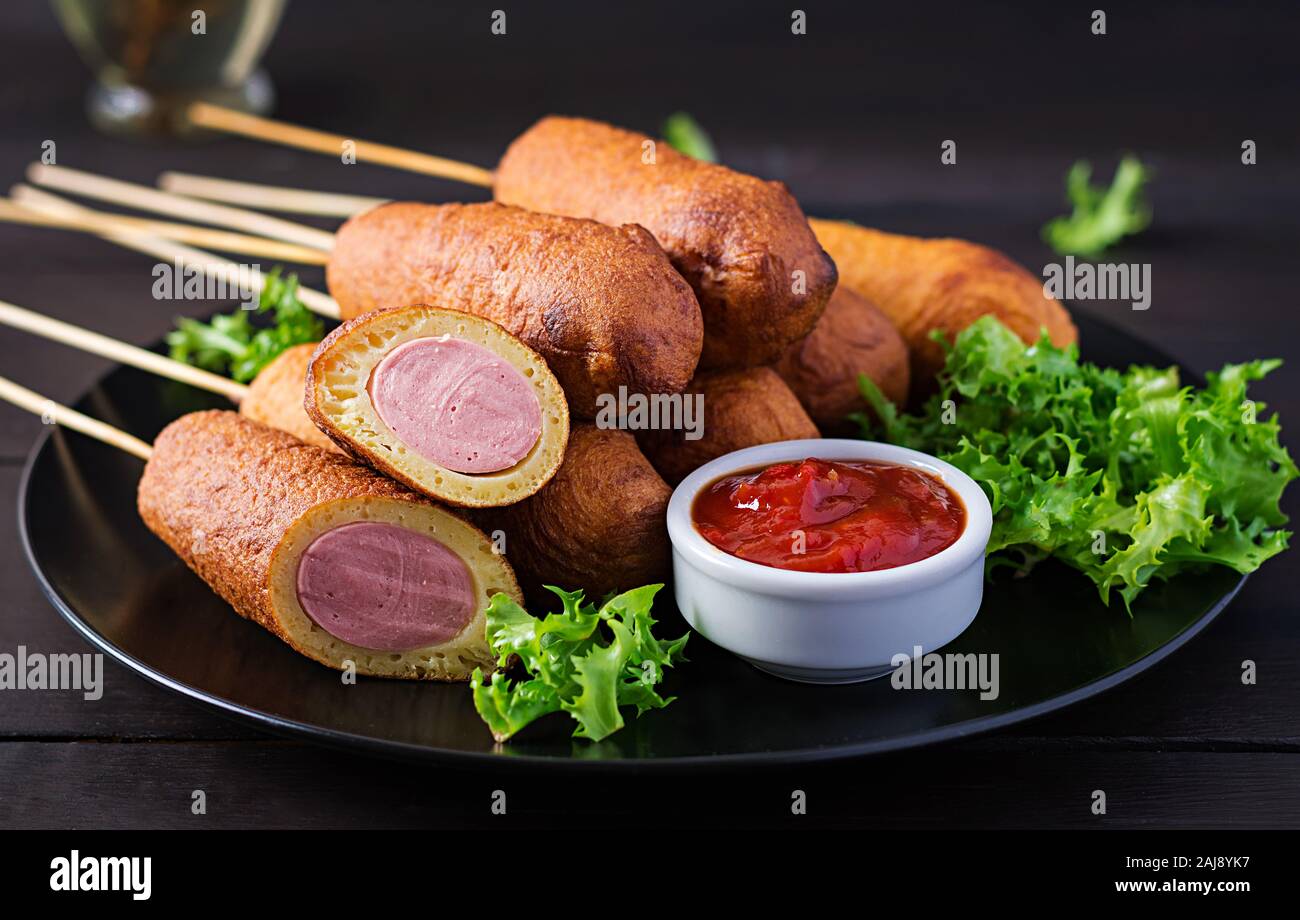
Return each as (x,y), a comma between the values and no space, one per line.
(600,524)
(275,397)
(603,305)
(738,240)
(851,338)
(946,284)
(223,492)
(337,401)
(741,409)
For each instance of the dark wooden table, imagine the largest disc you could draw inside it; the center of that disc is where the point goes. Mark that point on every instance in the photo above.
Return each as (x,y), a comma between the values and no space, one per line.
(851,116)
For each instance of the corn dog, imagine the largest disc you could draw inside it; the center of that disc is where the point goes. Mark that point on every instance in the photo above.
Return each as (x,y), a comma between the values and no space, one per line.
(602,305)
(340,563)
(944,284)
(599,524)
(851,338)
(743,244)
(448,403)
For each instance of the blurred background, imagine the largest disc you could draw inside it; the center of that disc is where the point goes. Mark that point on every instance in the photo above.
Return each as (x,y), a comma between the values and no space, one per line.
(851,115)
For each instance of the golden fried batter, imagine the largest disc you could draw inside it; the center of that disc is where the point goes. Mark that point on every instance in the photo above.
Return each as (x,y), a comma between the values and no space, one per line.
(602,305)
(743,244)
(599,524)
(275,397)
(945,284)
(851,338)
(228,495)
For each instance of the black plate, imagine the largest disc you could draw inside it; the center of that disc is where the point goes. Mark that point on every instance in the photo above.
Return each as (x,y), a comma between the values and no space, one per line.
(127,594)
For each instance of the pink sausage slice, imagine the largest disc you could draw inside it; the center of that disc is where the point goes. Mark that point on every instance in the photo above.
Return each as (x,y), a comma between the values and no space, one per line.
(384,587)
(457,403)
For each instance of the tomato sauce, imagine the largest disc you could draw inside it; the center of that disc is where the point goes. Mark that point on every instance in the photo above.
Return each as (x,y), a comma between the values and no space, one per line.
(830,515)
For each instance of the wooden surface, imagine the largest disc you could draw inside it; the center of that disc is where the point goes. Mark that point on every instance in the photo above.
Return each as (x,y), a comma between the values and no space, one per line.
(851,117)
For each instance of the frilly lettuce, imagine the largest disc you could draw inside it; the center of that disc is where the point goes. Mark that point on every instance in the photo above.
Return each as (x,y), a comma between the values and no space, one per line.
(1128,476)
(573,665)
(232,344)
(1100,216)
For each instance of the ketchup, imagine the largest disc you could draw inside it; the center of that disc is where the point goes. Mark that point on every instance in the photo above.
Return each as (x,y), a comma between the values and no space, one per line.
(830,516)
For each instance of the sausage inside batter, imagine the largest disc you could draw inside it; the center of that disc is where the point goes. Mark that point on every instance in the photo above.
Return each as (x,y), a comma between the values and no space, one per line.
(380,586)
(457,403)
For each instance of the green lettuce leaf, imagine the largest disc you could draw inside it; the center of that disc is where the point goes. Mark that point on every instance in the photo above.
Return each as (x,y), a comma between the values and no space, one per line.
(587,661)
(684,135)
(1100,217)
(1128,476)
(507,707)
(232,344)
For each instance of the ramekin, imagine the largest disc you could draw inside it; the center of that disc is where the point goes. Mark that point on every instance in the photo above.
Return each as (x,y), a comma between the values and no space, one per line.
(827,628)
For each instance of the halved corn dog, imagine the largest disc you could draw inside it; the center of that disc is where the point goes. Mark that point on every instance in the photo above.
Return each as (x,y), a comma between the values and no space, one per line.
(449,403)
(341,563)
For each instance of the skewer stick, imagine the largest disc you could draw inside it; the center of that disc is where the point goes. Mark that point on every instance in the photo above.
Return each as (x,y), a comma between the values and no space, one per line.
(144,198)
(37,404)
(105,347)
(224,240)
(267,197)
(277,132)
(214,266)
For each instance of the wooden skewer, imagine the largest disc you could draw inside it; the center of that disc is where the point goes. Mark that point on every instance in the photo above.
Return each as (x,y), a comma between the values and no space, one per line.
(139,196)
(37,404)
(145,198)
(277,132)
(267,197)
(102,345)
(212,265)
(188,233)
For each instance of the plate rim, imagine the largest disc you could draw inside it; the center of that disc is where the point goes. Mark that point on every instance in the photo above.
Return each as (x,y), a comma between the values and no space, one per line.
(407,751)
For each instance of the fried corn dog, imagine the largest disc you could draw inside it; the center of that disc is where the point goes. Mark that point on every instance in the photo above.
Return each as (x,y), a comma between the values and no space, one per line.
(944,284)
(851,338)
(342,564)
(742,243)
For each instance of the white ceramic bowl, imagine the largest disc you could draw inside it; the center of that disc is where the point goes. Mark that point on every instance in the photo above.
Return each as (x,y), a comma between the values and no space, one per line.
(827,628)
